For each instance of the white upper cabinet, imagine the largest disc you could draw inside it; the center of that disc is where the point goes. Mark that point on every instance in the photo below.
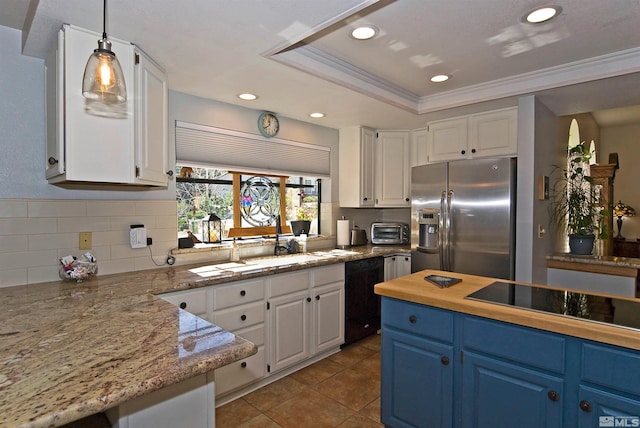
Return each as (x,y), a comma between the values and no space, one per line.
(492,133)
(374,169)
(151,114)
(392,170)
(356,152)
(448,139)
(419,147)
(126,144)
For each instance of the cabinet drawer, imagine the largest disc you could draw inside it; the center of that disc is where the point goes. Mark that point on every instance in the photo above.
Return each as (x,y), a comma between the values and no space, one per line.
(240,373)
(240,317)
(194,301)
(417,319)
(611,367)
(255,334)
(328,274)
(226,296)
(288,283)
(518,344)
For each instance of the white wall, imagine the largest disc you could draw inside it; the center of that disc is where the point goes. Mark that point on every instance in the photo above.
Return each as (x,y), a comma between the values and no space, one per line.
(40,222)
(624,140)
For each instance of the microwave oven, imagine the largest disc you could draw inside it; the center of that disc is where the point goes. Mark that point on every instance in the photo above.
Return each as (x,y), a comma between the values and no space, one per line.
(389,233)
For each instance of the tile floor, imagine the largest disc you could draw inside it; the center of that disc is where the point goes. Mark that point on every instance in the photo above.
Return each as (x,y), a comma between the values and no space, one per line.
(342,390)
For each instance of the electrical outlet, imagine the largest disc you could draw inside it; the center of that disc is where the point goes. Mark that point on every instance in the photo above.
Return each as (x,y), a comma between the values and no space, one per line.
(84,242)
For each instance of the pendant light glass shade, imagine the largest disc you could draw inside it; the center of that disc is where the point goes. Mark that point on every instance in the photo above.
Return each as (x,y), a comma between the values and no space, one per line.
(103,80)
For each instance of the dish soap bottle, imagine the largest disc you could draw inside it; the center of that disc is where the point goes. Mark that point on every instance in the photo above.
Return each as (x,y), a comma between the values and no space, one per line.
(235,251)
(303,242)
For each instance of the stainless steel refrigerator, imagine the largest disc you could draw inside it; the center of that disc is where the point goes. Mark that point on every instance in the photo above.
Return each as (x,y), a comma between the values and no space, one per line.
(463,217)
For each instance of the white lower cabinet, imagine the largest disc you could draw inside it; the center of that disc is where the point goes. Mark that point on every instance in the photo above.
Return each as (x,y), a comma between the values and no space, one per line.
(239,307)
(396,265)
(328,317)
(290,338)
(192,301)
(294,318)
(189,403)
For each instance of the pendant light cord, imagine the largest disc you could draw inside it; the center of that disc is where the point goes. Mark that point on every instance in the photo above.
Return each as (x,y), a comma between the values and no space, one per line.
(104,20)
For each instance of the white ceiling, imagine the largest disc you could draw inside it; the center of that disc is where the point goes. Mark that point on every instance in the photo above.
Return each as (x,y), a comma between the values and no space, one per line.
(298,57)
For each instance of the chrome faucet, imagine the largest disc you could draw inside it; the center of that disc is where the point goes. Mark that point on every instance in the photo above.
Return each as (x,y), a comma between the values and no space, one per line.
(278,248)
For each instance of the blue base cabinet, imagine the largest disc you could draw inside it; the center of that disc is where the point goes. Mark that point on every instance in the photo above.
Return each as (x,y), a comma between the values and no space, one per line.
(446,369)
(417,336)
(499,394)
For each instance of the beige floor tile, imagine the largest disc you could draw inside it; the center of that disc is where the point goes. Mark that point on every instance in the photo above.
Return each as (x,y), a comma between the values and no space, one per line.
(372,410)
(359,421)
(260,421)
(352,388)
(233,414)
(275,393)
(351,355)
(309,409)
(317,372)
(372,342)
(370,365)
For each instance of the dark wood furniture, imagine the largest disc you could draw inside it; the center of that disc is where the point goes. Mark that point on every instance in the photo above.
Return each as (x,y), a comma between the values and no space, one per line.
(603,176)
(626,248)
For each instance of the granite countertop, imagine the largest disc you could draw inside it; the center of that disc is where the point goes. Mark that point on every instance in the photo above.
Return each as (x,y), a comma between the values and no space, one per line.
(414,288)
(609,261)
(70,350)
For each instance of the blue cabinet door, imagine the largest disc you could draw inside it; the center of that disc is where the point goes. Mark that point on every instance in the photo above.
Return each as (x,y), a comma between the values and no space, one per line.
(496,394)
(599,408)
(417,381)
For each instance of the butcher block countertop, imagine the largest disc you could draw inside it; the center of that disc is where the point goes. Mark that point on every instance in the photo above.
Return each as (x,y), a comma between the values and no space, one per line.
(69,350)
(414,288)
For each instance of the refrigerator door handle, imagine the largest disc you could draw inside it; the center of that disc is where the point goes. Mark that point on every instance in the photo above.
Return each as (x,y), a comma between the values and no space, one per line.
(441,231)
(449,229)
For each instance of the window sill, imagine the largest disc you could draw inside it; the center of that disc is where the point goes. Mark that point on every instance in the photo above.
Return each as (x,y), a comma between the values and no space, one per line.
(251,245)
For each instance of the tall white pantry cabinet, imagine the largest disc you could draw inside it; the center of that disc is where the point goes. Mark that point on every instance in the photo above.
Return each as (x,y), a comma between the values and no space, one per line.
(86,142)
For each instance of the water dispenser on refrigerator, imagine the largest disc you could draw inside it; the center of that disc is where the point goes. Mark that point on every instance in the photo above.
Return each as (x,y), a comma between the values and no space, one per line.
(428,228)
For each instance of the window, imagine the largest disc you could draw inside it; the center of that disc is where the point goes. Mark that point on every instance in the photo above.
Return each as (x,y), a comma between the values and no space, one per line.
(200,191)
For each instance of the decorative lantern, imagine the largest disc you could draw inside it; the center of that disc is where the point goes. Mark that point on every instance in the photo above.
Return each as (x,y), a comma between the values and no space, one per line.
(211,229)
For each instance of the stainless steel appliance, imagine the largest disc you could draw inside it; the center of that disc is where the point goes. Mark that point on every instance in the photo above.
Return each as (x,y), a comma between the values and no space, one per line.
(358,237)
(463,217)
(390,233)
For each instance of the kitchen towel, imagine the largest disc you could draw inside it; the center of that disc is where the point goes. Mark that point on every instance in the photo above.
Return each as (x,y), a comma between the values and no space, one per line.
(343,235)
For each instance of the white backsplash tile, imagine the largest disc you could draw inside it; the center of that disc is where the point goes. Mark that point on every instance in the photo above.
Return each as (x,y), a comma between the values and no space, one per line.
(10,277)
(27,226)
(11,208)
(57,209)
(34,234)
(12,243)
(110,208)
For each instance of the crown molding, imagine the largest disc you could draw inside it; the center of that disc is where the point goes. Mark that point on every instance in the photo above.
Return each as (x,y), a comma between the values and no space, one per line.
(325,66)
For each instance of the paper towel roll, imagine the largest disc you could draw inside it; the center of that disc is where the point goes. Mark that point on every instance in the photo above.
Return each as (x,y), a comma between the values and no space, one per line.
(343,234)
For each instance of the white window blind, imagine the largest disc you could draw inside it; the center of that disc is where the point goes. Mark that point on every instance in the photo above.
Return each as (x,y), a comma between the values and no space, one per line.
(206,146)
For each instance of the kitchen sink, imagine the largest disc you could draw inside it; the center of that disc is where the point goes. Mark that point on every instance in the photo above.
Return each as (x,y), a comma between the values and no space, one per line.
(255,265)
(285,260)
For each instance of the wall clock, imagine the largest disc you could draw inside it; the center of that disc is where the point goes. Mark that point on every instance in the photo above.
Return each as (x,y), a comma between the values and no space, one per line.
(268,124)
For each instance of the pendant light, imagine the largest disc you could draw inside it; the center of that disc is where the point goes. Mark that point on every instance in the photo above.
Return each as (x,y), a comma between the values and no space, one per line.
(103,79)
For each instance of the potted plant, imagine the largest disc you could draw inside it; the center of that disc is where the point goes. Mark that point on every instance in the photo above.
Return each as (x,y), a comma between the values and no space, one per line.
(302,224)
(576,203)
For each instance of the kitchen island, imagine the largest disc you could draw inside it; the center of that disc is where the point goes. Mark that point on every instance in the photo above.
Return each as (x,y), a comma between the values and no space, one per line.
(70,350)
(449,360)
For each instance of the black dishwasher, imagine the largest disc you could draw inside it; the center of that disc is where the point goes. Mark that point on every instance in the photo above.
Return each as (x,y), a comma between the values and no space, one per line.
(362,305)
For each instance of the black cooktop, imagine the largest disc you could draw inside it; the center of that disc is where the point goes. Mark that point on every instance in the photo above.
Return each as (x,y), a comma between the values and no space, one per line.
(608,310)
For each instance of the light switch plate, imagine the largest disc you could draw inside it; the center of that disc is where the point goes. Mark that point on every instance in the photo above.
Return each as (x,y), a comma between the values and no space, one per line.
(84,242)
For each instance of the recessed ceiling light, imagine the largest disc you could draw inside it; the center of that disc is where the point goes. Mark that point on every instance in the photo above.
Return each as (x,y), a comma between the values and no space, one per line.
(541,14)
(247,97)
(317,115)
(438,78)
(364,33)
